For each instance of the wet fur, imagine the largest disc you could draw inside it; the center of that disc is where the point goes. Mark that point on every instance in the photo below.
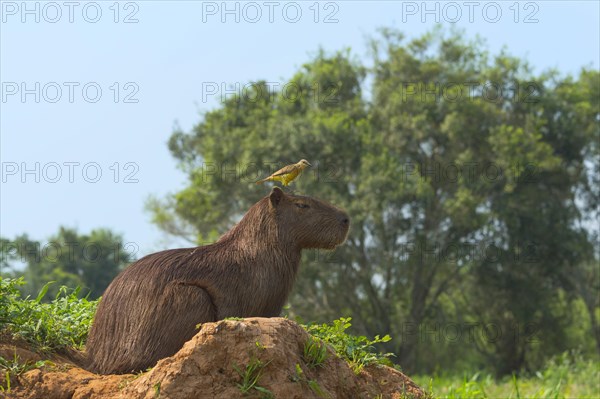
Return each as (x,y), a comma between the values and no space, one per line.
(152,308)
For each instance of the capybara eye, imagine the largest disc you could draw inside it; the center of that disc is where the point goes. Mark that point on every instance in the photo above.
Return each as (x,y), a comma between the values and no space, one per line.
(302,206)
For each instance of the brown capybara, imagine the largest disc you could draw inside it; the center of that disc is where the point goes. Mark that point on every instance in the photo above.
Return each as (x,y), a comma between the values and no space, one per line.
(153,307)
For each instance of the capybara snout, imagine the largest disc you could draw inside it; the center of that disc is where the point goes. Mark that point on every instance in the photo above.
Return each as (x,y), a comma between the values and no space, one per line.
(314,223)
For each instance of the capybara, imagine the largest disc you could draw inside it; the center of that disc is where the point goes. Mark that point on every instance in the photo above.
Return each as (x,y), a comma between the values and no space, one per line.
(154,306)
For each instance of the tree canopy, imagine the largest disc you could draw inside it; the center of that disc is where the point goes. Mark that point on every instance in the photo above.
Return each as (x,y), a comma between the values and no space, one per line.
(89,261)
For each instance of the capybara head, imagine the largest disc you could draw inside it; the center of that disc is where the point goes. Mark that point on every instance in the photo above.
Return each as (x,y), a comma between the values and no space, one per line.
(307,221)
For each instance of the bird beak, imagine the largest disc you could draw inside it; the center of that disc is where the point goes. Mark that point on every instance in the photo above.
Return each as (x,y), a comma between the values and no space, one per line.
(308,163)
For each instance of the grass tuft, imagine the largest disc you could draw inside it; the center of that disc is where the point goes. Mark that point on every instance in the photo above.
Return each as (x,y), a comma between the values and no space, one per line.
(11,368)
(251,375)
(315,352)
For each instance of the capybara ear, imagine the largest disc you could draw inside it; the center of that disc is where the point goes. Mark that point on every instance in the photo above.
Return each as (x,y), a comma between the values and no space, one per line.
(276,196)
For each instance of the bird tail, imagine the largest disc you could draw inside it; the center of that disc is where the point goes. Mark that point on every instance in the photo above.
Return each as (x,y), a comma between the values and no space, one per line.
(262,181)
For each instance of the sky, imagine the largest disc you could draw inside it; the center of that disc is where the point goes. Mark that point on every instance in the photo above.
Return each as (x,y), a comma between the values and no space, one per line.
(91,91)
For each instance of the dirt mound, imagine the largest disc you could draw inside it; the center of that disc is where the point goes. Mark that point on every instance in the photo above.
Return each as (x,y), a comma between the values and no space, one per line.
(262,356)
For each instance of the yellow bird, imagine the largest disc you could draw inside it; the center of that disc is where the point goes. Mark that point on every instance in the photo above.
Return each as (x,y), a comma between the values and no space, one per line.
(288,173)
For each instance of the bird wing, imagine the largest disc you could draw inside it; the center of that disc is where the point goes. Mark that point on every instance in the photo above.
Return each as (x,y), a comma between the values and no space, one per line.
(285,170)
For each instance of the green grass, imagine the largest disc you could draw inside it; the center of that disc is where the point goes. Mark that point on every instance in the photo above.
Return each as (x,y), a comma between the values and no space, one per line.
(250,376)
(315,352)
(46,326)
(566,376)
(312,384)
(11,368)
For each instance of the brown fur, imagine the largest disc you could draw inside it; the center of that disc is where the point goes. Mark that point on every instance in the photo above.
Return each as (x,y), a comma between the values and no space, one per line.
(152,308)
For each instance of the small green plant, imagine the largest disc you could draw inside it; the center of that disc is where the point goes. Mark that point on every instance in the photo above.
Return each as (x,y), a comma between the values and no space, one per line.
(516,384)
(357,350)
(260,346)
(11,368)
(251,376)
(315,352)
(157,390)
(127,380)
(312,384)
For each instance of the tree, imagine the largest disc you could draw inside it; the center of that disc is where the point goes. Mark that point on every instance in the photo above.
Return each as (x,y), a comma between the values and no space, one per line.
(435,170)
(68,258)
(525,137)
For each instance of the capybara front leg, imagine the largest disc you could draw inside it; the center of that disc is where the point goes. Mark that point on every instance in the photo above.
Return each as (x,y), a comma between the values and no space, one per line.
(182,308)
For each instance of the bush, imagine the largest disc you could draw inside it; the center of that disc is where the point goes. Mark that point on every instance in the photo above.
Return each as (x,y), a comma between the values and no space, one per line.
(63,322)
(359,351)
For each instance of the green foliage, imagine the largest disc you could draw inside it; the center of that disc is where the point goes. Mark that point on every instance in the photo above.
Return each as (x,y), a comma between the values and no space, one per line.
(470,388)
(315,352)
(567,375)
(251,375)
(357,350)
(62,322)
(312,384)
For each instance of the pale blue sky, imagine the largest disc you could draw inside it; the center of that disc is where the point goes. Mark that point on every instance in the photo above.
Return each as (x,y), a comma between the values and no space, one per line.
(167,56)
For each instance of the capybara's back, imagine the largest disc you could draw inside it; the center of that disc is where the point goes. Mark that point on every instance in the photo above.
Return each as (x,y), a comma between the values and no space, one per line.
(153,307)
